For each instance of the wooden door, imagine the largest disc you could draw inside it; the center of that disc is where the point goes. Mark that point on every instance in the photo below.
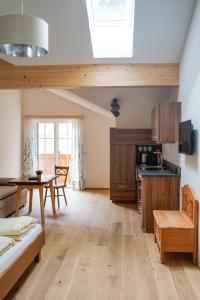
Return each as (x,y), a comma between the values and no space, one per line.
(165,121)
(130,164)
(123,161)
(118,163)
(122,172)
(158,193)
(169,118)
(122,164)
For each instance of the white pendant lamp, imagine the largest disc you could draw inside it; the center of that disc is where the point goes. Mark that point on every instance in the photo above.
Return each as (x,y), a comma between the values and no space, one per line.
(23,36)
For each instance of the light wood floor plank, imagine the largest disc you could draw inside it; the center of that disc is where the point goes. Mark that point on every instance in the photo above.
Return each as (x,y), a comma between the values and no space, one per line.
(181,280)
(164,281)
(95,250)
(192,272)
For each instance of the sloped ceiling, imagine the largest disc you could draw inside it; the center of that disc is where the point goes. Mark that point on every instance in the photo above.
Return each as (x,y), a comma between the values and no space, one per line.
(74,98)
(103,96)
(135,103)
(160,30)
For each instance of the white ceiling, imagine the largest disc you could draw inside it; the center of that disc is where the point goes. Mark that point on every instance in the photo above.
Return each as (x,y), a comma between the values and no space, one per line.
(160,30)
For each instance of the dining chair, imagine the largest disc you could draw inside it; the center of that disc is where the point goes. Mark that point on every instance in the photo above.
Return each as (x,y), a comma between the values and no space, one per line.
(58,185)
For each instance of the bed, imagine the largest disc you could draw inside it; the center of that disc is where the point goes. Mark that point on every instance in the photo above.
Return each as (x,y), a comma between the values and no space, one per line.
(16,260)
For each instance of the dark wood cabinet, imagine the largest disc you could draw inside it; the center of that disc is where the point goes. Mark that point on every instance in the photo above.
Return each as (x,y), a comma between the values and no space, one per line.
(158,193)
(122,172)
(123,162)
(154,124)
(165,121)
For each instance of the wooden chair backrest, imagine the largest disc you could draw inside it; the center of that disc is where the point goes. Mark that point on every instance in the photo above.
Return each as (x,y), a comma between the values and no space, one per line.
(189,204)
(63,172)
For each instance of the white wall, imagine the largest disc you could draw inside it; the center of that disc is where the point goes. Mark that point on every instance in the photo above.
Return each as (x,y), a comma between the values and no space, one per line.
(136,103)
(10,131)
(96,131)
(189,95)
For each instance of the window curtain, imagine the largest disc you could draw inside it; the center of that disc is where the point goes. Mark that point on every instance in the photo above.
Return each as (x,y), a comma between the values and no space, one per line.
(77,163)
(30,156)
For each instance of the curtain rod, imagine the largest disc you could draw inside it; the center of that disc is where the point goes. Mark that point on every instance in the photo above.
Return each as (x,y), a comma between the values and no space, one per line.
(53,117)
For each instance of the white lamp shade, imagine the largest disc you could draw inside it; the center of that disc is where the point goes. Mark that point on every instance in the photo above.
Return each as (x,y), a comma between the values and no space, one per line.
(23,36)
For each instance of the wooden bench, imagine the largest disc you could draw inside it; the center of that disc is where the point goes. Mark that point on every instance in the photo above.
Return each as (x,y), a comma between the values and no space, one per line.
(176,231)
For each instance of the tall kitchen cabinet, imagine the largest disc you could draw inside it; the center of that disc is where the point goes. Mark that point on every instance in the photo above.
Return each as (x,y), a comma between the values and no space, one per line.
(123,162)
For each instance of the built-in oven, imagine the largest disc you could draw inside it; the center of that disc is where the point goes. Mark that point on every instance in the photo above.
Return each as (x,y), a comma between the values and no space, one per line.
(139,191)
(146,156)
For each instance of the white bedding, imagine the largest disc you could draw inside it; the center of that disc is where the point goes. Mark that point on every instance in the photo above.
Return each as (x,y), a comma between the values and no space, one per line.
(16,227)
(5,244)
(10,256)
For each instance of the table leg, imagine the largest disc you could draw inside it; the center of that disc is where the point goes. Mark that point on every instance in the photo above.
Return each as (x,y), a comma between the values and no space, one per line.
(30,200)
(52,197)
(42,206)
(18,201)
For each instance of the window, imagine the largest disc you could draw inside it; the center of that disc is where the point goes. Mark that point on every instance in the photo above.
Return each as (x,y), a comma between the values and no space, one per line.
(46,138)
(111,27)
(54,145)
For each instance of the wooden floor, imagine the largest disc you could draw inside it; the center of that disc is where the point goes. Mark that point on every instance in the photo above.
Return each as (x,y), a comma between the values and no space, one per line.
(95,250)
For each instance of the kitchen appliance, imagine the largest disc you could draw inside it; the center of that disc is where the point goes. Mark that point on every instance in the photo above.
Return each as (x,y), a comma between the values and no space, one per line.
(147,155)
(139,191)
(144,158)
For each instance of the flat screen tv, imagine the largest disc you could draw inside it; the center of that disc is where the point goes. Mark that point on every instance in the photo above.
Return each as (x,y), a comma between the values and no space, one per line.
(186,138)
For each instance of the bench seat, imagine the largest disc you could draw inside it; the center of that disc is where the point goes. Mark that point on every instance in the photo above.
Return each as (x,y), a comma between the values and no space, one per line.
(172,219)
(176,231)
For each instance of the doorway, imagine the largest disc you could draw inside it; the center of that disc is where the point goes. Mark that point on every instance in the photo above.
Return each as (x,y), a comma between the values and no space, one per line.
(54,145)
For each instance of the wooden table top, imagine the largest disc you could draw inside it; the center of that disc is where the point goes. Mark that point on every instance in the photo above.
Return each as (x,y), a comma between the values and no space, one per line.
(24,180)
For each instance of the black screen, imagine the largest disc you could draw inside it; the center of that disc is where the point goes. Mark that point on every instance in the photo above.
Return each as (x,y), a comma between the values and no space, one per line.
(186,137)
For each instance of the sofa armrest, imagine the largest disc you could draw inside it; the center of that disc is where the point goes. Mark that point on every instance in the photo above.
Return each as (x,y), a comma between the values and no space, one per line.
(5,181)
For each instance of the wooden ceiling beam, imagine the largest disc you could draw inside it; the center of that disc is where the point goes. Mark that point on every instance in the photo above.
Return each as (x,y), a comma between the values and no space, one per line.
(76,76)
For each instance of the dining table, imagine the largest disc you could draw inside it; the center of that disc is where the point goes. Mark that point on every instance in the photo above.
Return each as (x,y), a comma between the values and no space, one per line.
(31,183)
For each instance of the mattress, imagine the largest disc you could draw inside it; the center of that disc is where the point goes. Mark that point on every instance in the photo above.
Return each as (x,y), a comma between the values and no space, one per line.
(13,253)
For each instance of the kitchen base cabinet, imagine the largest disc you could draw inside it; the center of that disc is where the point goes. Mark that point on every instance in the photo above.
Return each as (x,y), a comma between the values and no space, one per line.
(158,193)
(123,192)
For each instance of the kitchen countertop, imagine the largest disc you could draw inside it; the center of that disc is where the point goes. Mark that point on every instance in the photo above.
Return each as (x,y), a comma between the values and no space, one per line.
(163,172)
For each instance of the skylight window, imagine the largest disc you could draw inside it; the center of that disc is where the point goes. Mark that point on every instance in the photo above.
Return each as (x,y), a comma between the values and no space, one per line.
(111,27)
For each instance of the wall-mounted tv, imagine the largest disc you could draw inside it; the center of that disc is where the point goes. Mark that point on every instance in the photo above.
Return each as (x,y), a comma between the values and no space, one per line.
(186,138)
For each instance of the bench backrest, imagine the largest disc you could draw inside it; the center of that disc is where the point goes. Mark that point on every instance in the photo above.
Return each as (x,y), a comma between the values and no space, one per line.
(189,204)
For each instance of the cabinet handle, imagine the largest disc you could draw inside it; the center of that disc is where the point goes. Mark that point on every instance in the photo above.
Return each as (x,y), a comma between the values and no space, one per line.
(122,186)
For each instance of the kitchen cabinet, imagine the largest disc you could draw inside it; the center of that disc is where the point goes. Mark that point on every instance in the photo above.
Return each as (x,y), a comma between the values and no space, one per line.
(122,172)
(165,122)
(123,162)
(158,193)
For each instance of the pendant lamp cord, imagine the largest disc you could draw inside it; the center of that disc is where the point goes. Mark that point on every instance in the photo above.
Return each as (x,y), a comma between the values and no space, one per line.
(22,7)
